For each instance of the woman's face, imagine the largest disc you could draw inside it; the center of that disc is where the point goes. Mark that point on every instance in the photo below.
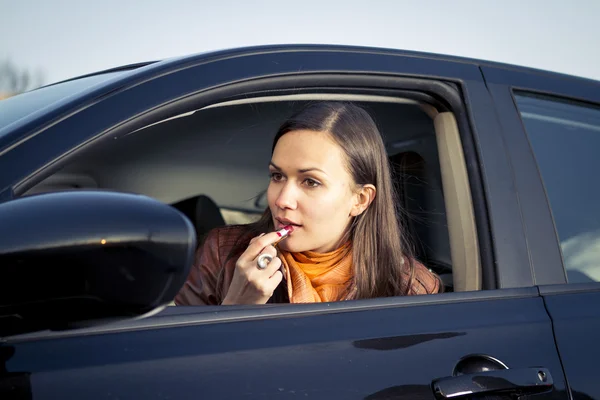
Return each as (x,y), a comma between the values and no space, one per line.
(311,189)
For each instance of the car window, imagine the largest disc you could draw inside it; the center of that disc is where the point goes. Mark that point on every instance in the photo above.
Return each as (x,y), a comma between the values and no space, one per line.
(212,164)
(565,138)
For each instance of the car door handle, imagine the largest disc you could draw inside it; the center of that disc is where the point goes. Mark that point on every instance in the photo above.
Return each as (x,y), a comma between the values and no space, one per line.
(512,381)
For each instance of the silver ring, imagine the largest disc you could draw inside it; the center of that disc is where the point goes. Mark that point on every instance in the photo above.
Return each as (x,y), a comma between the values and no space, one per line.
(264,260)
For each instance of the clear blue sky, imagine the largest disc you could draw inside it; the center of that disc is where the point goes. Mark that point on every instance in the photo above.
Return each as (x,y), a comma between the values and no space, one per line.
(72,37)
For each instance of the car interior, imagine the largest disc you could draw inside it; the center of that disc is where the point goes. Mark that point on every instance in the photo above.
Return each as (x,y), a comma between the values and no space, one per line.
(212,165)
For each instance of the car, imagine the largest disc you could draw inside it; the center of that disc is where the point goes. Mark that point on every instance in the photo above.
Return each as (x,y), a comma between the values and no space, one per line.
(109,182)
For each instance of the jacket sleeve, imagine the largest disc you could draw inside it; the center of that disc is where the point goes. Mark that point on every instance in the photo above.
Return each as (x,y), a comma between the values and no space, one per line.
(200,288)
(425,281)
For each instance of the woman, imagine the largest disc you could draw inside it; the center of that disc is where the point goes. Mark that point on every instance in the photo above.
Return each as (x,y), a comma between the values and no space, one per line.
(331,188)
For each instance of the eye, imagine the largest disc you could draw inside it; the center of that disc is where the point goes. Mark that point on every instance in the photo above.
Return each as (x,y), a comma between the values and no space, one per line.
(311,183)
(276,176)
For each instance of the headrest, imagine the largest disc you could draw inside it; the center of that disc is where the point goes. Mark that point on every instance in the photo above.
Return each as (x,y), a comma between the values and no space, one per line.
(203,212)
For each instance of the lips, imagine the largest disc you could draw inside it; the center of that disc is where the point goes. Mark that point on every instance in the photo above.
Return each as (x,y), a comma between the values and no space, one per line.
(286,222)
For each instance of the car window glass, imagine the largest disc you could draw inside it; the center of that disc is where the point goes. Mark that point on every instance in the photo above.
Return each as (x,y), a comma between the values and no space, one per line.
(565,138)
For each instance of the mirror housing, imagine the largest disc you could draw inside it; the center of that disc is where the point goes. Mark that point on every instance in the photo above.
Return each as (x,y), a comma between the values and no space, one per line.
(80,258)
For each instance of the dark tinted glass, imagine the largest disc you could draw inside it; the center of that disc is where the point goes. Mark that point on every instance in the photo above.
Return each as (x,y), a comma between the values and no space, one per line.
(565,138)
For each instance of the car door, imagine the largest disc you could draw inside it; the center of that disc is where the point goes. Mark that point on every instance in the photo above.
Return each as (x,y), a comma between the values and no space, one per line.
(450,344)
(552,124)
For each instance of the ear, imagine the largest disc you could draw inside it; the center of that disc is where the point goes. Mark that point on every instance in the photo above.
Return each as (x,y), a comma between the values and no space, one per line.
(363,199)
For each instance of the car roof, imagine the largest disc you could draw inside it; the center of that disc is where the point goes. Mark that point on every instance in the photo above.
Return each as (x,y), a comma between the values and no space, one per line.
(338,47)
(12,131)
(127,67)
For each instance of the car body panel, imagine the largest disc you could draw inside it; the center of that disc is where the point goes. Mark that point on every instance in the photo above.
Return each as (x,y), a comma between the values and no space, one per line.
(370,353)
(576,319)
(571,306)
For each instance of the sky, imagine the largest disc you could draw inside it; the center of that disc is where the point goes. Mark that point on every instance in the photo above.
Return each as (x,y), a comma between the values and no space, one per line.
(66,38)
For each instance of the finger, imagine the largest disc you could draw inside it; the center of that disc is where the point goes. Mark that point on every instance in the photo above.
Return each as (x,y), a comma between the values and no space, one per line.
(254,249)
(283,271)
(272,267)
(270,250)
(254,239)
(272,283)
(249,253)
(266,280)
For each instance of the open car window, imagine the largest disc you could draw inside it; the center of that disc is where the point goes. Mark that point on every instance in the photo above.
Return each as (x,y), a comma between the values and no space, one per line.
(212,164)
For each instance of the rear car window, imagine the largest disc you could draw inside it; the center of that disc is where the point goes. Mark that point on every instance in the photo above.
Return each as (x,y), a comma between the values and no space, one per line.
(565,138)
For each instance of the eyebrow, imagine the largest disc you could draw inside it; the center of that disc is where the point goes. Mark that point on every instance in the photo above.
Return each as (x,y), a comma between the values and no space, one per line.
(303,170)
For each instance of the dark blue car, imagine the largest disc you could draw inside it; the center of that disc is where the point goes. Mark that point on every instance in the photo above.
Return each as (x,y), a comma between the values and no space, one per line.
(109,181)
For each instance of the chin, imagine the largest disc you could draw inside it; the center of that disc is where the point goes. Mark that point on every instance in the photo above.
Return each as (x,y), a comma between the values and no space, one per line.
(292,247)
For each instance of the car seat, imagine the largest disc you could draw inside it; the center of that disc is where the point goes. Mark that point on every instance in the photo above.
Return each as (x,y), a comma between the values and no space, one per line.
(423,212)
(204,214)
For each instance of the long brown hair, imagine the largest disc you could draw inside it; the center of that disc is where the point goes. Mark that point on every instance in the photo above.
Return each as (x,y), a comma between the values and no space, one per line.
(379,245)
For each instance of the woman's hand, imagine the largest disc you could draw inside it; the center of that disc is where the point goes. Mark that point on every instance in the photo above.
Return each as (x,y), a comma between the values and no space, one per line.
(250,284)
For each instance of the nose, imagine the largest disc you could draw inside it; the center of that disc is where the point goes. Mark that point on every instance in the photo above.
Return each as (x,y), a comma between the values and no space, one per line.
(286,199)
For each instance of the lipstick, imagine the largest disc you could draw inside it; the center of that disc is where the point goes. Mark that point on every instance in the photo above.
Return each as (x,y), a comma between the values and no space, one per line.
(286,230)
(283,233)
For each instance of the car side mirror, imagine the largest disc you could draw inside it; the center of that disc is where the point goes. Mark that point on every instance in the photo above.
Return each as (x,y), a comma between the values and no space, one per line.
(80,258)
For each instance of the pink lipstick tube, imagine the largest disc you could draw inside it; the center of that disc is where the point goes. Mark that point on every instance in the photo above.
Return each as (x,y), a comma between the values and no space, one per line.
(283,233)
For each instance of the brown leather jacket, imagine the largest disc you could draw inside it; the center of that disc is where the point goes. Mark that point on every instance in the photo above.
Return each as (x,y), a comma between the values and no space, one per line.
(212,272)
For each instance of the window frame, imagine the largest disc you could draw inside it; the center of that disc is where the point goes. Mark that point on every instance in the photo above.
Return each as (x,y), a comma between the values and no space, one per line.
(446,96)
(33,147)
(457,199)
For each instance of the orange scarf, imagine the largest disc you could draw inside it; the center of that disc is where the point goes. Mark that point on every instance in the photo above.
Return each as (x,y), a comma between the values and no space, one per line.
(318,277)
